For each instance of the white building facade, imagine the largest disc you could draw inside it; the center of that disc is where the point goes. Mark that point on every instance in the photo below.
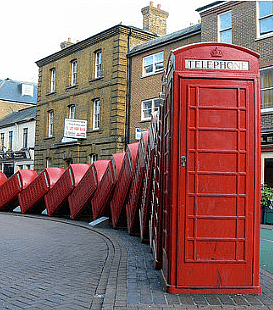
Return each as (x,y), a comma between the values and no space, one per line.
(17,139)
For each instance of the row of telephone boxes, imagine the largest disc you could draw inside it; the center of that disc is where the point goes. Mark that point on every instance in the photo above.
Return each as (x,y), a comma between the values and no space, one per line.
(120,188)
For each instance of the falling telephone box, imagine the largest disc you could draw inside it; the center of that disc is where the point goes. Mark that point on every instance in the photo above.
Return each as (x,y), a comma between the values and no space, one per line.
(211,170)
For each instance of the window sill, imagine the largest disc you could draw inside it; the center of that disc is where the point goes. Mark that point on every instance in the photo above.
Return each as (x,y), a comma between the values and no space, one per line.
(152,74)
(48,138)
(267,111)
(51,93)
(265,36)
(145,120)
(96,130)
(71,87)
(96,79)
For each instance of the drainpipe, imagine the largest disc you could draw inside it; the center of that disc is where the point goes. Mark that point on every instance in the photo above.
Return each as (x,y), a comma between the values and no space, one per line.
(128,95)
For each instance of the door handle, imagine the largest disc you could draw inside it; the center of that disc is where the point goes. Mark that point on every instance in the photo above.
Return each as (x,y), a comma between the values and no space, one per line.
(183,161)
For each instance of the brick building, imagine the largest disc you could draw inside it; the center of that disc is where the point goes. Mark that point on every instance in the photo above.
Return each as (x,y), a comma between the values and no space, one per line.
(85,81)
(147,62)
(248,24)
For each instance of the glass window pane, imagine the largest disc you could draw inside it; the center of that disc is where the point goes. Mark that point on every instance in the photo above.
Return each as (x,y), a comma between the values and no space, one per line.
(267,78)
(226,36)
(147,104)
(148,60)
(159,57)
(267,98)
(266,25)
(159,66)
(225,21)
(147,114)
(156,104)
(265,8)
(149,69)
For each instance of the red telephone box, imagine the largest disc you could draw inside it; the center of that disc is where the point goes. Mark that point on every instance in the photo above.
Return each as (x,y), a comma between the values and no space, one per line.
(211,170)
(80,199)
(10,189)
(135,193)
(31,199)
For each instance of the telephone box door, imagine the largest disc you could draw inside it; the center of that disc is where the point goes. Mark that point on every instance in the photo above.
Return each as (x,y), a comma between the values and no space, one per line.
(217,172)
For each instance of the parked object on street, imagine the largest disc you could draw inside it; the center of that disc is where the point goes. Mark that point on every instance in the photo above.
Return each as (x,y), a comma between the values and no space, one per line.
(3,178)
(135,193)
(13,186)
(120,196)
(101,199)
(80,199)
(56,199)
(211,170)
(31,200)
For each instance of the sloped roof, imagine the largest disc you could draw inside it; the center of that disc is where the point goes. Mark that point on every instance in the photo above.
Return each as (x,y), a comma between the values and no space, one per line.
(11,90)
(166,39)
(20,116)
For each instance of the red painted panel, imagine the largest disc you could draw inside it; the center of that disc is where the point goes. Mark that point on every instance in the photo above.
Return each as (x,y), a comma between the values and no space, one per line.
(134,200)
(31,199)
(120,196)
(104,193)
(56,199)
(3,178)
(13,186)
(211,170)
(80,199)
(211,182)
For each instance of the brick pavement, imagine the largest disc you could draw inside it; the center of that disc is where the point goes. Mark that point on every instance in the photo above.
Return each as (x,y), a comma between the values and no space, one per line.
(51,263)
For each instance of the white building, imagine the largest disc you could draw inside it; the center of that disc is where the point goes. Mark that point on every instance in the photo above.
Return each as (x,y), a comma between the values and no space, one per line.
(17,139)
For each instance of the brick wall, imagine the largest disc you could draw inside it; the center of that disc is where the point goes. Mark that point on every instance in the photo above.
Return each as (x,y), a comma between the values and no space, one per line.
(110,88)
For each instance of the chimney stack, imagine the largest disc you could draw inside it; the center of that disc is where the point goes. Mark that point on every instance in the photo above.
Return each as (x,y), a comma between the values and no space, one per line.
(155,19)
(66,44)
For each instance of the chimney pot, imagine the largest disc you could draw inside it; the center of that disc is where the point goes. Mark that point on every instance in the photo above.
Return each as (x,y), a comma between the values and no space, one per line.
(159,6)
(151,3)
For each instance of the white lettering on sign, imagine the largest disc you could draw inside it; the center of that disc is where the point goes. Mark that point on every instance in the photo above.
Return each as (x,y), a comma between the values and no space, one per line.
(216,64)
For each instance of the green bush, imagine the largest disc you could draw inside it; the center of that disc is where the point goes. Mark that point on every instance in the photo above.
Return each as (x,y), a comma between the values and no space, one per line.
(267,197)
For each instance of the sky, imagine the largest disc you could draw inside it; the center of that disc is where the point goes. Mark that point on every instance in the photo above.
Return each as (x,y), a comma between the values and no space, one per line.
(33,29)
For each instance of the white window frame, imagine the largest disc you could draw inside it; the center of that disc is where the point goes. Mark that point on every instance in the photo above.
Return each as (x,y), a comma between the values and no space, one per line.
(266,89)
(268,34)
(10,139)
(98,72)
(25,138)
(93,157)
(52,80)
(153,108)
(220,31)
(74,70)
(50,123)
(2,141)
(49,162)
(96,113)
(71,111)
(152,63)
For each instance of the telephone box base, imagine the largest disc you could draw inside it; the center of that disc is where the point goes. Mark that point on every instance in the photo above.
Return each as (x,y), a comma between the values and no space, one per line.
(173,289)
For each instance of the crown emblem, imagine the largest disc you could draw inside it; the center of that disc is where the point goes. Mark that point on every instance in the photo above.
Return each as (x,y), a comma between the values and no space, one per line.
(216,53)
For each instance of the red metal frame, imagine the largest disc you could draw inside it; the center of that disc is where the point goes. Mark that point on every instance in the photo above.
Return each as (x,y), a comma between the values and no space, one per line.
(102,197)
(80,199)
(3,178)
(145,206)
(156,221)
(31,199)
(56,199)
(211,202)
(120,196)
(13,186)
(134,200)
